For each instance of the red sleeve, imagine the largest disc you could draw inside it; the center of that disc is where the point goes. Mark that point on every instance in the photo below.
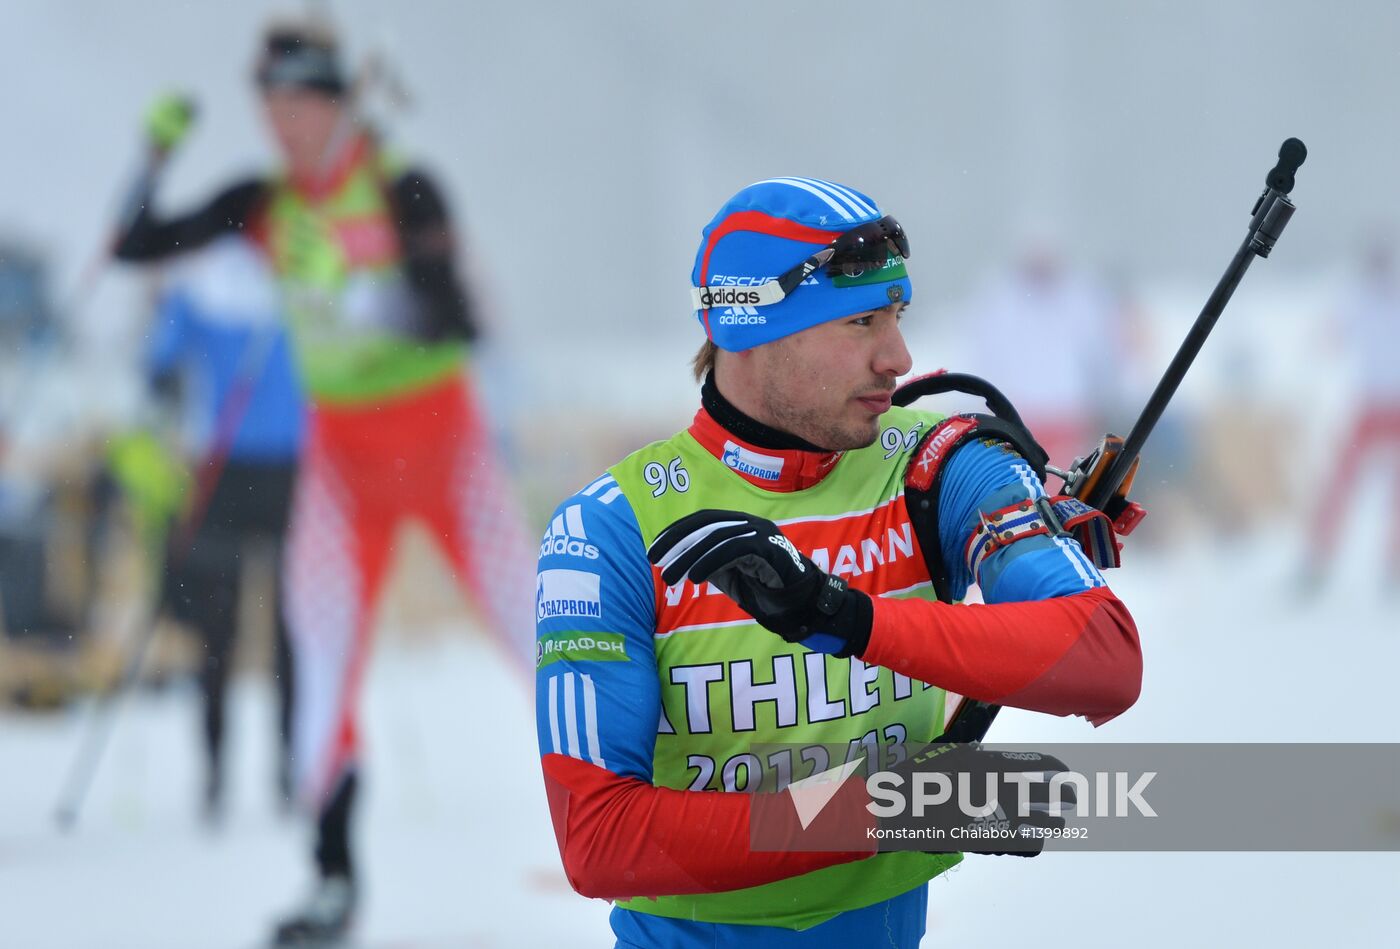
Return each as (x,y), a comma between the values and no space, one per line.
(1070,655)
(622,837)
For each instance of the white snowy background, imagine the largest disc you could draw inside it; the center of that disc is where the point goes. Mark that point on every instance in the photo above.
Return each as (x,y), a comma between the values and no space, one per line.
(584,145)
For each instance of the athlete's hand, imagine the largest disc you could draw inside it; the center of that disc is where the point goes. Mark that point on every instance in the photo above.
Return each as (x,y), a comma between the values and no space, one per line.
(751,561)
(168,120)
(1005,830)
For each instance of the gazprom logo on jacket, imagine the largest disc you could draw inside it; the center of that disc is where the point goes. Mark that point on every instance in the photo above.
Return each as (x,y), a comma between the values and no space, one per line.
(767,467)
(567,593)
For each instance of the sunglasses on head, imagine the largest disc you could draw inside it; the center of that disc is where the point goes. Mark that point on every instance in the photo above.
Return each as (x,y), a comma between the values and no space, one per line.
(862,248)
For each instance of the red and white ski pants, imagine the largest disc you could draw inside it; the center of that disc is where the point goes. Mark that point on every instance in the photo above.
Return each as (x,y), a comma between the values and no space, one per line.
(364,470)
(1375,432)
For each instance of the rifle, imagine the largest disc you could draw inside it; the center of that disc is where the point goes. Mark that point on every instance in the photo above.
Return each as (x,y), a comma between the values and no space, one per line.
(1103,478)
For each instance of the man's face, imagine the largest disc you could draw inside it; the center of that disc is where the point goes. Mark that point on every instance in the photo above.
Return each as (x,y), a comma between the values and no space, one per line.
(303,122)
(831,383)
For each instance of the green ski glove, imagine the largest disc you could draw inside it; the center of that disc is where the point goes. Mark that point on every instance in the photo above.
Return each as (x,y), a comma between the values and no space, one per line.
(168,120)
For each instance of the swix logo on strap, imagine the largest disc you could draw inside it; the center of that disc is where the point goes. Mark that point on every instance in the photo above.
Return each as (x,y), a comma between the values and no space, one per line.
(925,466)
(767,467)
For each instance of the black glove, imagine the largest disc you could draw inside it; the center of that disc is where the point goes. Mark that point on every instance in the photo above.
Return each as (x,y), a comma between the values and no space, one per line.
(751,561)
(1002,832)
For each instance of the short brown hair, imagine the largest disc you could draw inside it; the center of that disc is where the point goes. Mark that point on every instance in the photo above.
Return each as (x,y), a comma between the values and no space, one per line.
(704,361)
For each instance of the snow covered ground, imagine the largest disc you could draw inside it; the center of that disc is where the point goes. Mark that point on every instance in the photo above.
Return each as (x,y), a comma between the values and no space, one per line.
(455,839)
(457,847)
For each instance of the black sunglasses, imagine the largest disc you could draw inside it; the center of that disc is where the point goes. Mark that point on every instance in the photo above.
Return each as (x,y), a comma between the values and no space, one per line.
(854,252)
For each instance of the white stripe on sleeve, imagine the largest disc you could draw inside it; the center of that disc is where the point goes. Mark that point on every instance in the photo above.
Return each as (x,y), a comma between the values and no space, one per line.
(590,720)
(1077,561)
(571,716)
(554,712)
(1029,481)
(597,486)
(573,517)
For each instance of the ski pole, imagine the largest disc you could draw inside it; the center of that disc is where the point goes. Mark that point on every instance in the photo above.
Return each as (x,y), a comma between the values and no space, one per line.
(252,362)
(1269,216)
(183,110)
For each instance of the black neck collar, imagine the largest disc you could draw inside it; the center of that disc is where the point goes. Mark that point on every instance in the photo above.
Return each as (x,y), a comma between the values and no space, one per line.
(750,430)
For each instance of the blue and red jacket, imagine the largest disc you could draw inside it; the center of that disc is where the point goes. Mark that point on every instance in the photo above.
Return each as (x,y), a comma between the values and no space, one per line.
(1052,638)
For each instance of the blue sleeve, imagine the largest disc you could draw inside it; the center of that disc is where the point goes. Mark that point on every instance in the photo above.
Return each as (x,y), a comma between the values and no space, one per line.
(597,697)
(984,476)
(169,335)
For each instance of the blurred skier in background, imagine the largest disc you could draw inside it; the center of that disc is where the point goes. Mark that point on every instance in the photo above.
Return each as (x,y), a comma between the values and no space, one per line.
(1368,328)
(363,249)
(220,351)
(1062,388)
